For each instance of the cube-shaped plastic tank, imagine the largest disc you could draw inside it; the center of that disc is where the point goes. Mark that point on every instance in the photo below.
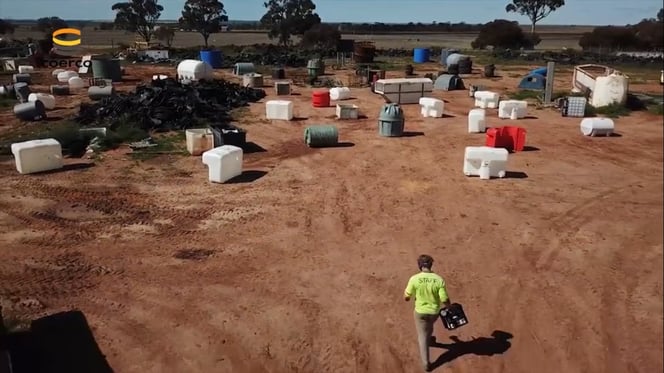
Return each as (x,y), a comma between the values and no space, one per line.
(224,163)
(37,156)
(279,110)
(486,99)
(476,157)
(431,107)
(505,109)
(477,121)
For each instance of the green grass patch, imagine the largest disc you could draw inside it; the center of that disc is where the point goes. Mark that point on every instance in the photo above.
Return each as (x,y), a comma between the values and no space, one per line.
(526,95)
(6,102)
(657,109)
(609,111)
(169,143)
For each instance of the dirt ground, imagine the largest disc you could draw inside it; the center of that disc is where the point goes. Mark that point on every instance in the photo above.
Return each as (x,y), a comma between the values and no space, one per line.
(301,266)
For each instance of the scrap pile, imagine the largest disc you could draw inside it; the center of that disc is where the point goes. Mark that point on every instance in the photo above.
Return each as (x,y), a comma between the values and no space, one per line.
(169,105)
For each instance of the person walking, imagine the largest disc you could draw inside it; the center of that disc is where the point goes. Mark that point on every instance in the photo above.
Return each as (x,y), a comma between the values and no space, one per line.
(430,294)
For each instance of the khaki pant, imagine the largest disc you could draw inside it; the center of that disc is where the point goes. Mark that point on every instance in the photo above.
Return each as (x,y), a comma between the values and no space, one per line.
(424,326)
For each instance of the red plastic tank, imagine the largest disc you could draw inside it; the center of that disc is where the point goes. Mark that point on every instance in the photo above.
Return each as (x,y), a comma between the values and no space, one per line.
(508,137)
(320,98)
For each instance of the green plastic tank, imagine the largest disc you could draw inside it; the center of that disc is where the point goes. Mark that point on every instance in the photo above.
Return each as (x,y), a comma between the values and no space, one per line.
(103,68)
(391,121)
(313,68)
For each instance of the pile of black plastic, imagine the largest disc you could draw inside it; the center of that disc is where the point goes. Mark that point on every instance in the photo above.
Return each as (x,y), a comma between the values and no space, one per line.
(166,105)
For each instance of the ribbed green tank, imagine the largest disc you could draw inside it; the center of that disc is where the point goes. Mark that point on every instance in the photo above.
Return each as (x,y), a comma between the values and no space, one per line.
(313,68)
(321,136)
(107,69)
(391,121)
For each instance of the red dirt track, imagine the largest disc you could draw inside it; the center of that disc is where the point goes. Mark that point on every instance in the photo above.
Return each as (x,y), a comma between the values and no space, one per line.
(303,268)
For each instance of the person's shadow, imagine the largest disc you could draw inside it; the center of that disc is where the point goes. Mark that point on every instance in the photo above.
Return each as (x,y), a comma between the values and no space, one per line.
(483,346)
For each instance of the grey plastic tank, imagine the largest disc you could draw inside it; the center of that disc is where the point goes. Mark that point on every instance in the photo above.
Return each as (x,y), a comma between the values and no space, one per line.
(22,91)
(391,121)
(30,111)
(22,78)
(453,59)
(97,93)
(59,90)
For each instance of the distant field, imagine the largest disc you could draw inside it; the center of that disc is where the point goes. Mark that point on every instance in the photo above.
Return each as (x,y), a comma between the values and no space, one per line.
(552,38)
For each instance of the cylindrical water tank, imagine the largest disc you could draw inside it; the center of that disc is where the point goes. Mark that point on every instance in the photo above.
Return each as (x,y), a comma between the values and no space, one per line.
(25,69)
(465,65)
(106,69)
(421,55)
(213,58)
(446,53)
(194,70)
(278,73)
(252,80)
(339,93)
(30,111)
(391,121)
(64,76)
(56,72)
(22,91)
(59,90)
(453,59)
(22,78)
(76,82)
(97,93)
(46,99)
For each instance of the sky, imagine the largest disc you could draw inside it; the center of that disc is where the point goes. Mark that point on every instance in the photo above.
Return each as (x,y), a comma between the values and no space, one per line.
(576,12)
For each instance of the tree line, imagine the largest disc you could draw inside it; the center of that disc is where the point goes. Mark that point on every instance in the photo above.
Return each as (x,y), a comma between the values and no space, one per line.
(286,19)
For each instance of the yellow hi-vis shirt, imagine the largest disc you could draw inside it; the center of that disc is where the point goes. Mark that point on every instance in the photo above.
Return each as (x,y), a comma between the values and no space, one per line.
(429,291)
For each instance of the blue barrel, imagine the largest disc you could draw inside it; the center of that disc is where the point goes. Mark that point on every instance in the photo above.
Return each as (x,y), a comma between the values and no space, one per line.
(213,58)
(539,71)
(421,55)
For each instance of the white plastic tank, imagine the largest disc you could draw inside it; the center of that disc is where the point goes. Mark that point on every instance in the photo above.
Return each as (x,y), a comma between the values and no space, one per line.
(597,126)
(25,69)
(431,107)
(76,82)
(453,59)
(505,109)
(279,110)
(37,155)
(46,99)
(224,163)
(347,111)
(610,89)
(64,76)
(194,70)
(477,121)
(57,71)
(159,77)
(476,156)
(486,99)
(339,93)
(199,140)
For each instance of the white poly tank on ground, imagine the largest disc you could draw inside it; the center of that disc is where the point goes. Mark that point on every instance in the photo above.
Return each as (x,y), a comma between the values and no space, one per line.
(347,111)
(199,140)
(431,107)
(56,72)
(76,82)
(476,156)
(505,109)
(46,99)
(194,70)
(224,163)
(25,69)
(597,127)
(477,121)
(611,89)
(37,156)
(486,99)
(339,93)
(279,110)
(64,76)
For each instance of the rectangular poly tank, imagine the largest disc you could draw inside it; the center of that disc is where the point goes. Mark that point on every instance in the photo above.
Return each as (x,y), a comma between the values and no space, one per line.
(597,126)
(224,163)
(476,121)
(282,88)
(431,107)
(475,156)
(279,110)
(37,156)
(505,109)
(347,111)
(404,90)
(486,99)
(199,140)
